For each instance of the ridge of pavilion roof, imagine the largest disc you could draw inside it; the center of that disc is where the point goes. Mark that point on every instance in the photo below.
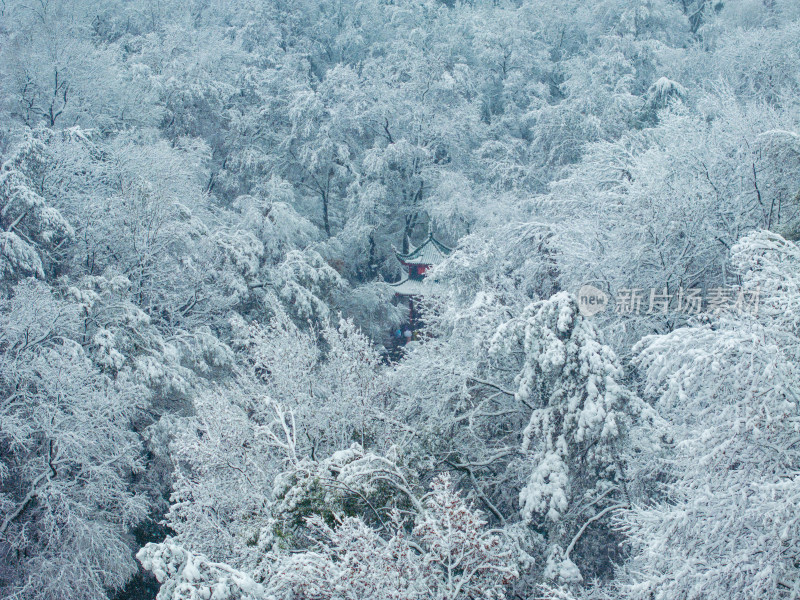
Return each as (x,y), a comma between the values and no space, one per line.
(429,252)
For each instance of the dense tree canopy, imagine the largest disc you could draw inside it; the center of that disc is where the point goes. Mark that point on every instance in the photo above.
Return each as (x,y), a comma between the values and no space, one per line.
(205,386)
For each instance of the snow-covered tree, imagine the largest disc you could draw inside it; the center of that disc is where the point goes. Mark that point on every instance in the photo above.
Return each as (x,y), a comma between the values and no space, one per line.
(724,522)
(33,232)
(189,576)
(68,456)
(198,208)
(282,434)
(447,555)
(576,443)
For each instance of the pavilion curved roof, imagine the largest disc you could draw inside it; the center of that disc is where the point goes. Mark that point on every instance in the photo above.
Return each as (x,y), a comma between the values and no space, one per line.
(415,287)
(429,252)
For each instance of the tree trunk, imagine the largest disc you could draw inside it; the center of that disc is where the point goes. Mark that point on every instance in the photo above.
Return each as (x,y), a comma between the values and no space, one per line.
(325,221)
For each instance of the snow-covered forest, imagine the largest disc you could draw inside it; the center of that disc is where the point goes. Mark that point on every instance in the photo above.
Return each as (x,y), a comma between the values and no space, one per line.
(587,386)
